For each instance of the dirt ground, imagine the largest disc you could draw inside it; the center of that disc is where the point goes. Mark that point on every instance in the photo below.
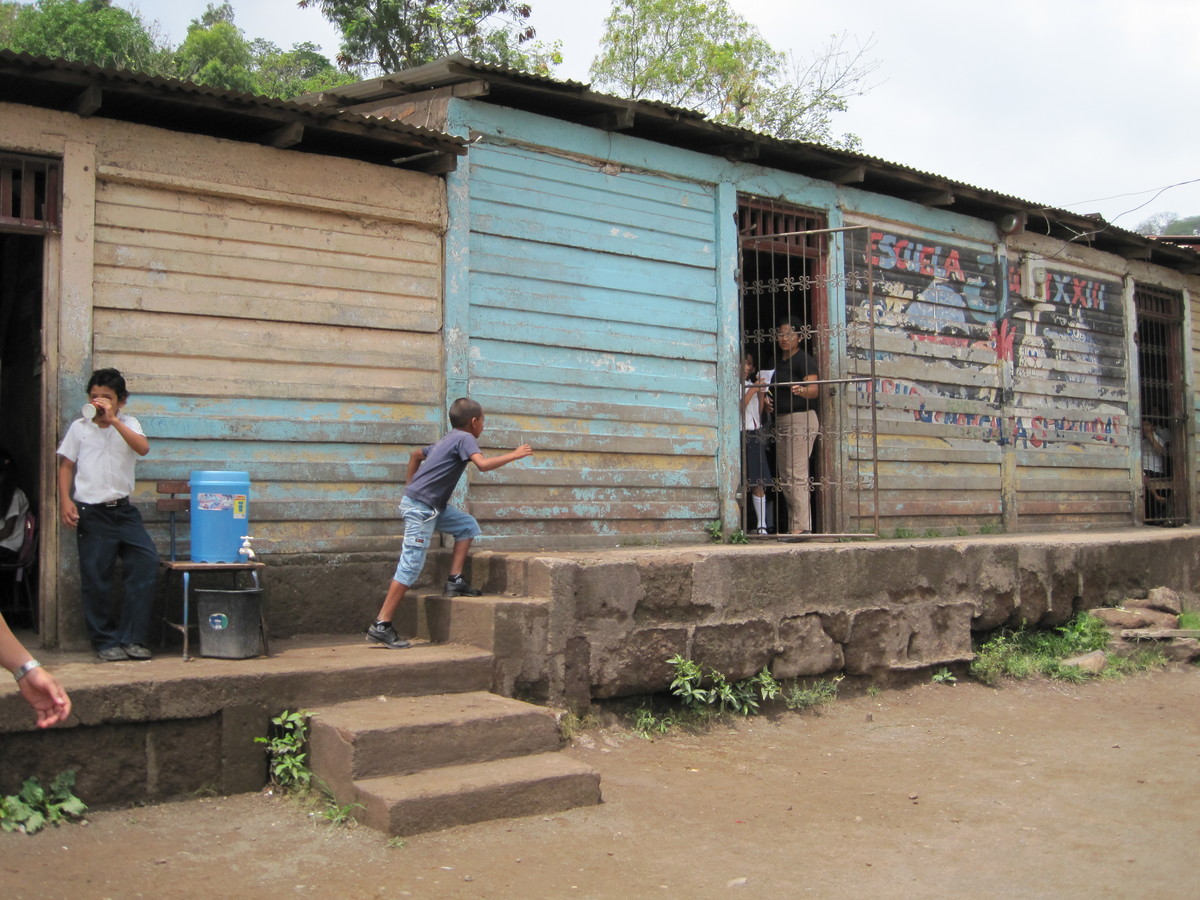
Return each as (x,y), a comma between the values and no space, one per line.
(1027,790)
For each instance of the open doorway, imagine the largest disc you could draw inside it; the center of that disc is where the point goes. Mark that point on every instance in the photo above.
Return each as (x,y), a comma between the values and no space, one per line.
(21,377)
(783,304)
(1163,428)
(30,209)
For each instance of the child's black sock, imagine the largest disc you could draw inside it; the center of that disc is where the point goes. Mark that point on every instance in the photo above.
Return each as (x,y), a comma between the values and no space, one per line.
(382,624)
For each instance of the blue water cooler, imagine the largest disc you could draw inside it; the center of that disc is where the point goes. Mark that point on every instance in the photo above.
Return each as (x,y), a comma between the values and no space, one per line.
(220,515)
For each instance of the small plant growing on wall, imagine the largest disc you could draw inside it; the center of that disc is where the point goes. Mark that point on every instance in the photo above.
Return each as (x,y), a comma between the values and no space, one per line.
(286,756)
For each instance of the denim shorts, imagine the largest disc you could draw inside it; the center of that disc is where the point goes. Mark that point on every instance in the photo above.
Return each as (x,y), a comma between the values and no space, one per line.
(420,522)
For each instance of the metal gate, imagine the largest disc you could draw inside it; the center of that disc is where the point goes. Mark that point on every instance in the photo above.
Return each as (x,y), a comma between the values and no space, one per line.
(808,437)
(1165,491)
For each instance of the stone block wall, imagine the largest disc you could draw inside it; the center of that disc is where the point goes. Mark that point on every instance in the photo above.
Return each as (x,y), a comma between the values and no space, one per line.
(806,610)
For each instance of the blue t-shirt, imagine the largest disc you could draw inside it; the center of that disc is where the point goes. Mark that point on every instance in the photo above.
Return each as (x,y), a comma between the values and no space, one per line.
(435,480)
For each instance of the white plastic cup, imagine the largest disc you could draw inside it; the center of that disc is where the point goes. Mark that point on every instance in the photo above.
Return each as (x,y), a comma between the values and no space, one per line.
(89,411)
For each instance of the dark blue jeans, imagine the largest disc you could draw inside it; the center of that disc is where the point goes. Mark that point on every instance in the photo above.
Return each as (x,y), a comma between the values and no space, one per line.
(104,534)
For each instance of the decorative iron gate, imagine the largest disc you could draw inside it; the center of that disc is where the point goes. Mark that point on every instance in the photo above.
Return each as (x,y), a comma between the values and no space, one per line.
(807,439)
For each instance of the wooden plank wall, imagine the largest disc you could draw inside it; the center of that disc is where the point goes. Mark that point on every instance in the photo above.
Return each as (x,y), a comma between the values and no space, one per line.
(593,337)
(300,343)
(937,381)
(1070,403)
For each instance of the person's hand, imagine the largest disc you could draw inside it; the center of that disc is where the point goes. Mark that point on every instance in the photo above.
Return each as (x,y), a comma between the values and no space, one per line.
(523,451)
(69,513)
(105,413)
(47,697)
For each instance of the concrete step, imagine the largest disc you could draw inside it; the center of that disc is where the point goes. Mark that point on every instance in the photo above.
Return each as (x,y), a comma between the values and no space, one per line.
(478,792)
(401,735)
(491,622)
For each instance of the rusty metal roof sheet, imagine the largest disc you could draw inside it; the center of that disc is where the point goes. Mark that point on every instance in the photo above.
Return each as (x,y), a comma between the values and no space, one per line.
(182,106)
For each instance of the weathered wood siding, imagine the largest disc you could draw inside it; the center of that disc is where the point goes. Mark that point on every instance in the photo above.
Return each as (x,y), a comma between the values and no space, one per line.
(593,331)
(299,341)
(937,387)
(1065,336)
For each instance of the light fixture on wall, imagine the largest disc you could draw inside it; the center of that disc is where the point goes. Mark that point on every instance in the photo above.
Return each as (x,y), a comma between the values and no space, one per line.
(1011,223)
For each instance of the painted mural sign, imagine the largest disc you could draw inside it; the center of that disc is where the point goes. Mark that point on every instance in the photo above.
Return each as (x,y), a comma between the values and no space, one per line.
(1063,328)
(932,288)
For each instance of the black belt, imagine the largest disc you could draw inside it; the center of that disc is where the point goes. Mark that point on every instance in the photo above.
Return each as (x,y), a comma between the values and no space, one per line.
(111,504)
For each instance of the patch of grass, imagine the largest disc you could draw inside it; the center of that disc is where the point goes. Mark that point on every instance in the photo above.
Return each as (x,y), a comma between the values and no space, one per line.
(904,534)
(960,531)
(874,690)
(1189,620)
(991,528)
(1025,652)
(571,724)
(799,696)
(932,533)
(1151,657)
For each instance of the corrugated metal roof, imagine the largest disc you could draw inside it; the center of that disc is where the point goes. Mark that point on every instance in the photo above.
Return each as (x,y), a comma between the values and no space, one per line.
(575,102)
(183,106)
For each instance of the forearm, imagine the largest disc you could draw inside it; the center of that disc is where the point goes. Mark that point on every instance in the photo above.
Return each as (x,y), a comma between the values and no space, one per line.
(138,443)
(487,464)
(12,654)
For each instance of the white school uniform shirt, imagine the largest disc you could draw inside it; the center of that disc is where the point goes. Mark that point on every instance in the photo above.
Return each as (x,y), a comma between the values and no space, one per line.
(103,461)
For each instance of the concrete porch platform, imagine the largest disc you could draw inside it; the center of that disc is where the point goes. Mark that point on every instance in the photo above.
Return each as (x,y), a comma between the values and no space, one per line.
(567,628)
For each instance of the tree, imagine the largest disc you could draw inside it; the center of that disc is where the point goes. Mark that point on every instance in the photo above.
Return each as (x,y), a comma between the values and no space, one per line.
(702,55)
(89,31)
(1169,223)
(216,52)
(390,35)
(289,73)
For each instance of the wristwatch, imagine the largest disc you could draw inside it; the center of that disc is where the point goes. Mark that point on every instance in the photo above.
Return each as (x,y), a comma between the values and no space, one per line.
(24,670)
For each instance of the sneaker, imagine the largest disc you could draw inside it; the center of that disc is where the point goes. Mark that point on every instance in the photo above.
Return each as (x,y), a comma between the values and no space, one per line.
(386,635)
(112,654)
(458,587)
(136,651)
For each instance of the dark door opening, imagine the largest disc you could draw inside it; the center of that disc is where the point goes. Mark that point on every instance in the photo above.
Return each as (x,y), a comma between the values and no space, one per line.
(1163,428)
(21,385)
(783,294)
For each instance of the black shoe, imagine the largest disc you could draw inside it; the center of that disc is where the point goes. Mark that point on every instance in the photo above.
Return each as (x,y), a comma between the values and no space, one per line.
(136,651)
(112,654)
(457,587)
(387,636)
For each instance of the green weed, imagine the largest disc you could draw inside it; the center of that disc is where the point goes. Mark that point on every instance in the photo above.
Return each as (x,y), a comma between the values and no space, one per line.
(340,815)
(648,724)
(904,534)
(943,676)
(991,528)
(1189,620)
(739,537)
(285,750)
(34,807)
(716,533)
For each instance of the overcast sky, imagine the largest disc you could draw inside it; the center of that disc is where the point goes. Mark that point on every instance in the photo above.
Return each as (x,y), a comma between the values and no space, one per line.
(1087,105)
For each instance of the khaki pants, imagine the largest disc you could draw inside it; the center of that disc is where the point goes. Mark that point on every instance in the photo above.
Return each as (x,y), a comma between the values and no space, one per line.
(796,435)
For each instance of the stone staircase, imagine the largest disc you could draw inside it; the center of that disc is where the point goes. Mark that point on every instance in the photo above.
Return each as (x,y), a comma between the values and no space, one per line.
(418,762)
